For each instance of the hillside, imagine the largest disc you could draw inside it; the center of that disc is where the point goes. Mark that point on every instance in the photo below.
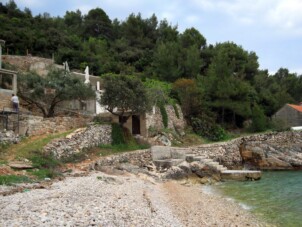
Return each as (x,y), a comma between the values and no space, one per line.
(223,84)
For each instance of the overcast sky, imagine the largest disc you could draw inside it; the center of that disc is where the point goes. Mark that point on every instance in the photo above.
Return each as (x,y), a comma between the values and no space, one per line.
(271,28)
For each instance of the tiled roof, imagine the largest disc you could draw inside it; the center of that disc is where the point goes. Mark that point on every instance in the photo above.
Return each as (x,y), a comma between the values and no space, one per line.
(296,107)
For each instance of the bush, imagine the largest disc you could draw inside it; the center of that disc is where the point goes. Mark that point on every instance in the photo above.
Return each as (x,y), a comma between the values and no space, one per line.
(117,134)
(164,115)
(279,125)
(42,160)
(207,128)
(259,121)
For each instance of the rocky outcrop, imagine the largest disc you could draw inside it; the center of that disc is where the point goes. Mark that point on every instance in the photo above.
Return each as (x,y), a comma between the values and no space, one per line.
(273,151)
(79,141)
(276,150)
(176,121)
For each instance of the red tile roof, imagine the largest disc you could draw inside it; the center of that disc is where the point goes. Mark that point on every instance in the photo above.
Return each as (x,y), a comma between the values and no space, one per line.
(296,107)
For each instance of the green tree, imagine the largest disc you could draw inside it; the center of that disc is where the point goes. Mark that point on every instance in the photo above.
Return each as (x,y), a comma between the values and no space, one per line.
(32,89)
(124,96)
(97,24)
(166,63)
(189,96)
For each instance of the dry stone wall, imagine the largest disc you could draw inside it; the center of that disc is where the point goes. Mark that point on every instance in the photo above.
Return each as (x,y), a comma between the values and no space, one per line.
(8,137)
(79,141)
(35,125)
(26,63)
(139,158)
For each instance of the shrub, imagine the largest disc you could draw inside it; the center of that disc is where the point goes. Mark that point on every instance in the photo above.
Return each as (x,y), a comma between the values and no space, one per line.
(117,134)
(207,128)
(279,125)
(259,121)
(164,115)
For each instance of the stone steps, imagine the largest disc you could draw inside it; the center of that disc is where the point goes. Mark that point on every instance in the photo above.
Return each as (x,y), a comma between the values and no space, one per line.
(163,158)
(207,161)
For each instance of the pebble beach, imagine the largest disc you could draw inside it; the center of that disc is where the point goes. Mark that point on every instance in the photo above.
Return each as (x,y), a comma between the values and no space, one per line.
(100,199)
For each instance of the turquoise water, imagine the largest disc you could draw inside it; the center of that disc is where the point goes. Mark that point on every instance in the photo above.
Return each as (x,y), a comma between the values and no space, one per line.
(276,198)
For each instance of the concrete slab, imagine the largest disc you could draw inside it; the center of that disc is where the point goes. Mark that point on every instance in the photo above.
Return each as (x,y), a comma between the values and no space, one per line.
(160,152)
(240,175)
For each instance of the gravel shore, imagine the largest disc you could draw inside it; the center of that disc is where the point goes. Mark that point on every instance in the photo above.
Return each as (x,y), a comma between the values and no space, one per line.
(100,199)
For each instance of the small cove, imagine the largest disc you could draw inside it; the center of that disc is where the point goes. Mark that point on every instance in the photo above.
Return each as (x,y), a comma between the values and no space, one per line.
(276,198)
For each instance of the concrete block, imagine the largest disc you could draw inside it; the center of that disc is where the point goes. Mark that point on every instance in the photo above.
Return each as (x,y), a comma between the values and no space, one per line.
(178,153)
(160,152)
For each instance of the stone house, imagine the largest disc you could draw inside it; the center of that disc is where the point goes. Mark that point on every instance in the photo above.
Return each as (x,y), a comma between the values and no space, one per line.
(290,114)
(137,124)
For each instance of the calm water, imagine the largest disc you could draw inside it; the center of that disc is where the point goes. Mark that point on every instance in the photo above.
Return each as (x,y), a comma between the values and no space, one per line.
(276,198)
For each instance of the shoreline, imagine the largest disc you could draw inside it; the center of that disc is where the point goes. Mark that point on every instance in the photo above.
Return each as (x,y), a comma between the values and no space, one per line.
(126,199)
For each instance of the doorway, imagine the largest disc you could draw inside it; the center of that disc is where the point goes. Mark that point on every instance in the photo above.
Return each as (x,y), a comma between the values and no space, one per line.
(136,125)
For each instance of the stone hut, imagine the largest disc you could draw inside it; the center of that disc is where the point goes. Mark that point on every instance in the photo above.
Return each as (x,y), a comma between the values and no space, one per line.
(290,114)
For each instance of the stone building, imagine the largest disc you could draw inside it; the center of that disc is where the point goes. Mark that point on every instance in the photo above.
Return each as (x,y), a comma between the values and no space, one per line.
(137,124)
(290,115)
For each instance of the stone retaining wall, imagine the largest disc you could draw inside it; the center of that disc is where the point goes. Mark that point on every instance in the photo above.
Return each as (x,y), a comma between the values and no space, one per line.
(8,137)
(139,158)
(26,63)
(35,125)
(79,141)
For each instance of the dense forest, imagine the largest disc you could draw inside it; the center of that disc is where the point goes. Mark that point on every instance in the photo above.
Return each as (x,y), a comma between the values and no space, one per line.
(216,85)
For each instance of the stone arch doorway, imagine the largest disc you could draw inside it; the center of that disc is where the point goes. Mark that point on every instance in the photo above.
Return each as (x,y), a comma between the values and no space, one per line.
(136,125)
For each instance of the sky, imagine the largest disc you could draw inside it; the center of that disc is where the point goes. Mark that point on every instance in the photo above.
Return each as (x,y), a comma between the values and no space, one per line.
(271,28)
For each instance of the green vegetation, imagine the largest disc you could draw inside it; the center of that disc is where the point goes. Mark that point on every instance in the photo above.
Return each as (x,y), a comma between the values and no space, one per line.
(220,82)
(117,134)
(125,93)
(13,179)
(122,141)
(118,148)
(164,115)
(28,147)
(32,89)
(176,110)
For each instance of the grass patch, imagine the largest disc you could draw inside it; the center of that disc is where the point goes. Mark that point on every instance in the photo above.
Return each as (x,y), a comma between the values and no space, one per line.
(3,162)
(13,179)
(25,148)
(37,145)
(41,160)
(106,150)
(41,174)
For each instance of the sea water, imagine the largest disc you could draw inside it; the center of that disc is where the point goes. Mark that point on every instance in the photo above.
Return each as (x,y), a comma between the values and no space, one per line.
(276,198)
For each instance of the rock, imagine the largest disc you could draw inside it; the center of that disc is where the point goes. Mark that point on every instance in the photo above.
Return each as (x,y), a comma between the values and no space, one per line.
(175,173)
(20,165)
(164,140)
(277,163)
(185,166)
